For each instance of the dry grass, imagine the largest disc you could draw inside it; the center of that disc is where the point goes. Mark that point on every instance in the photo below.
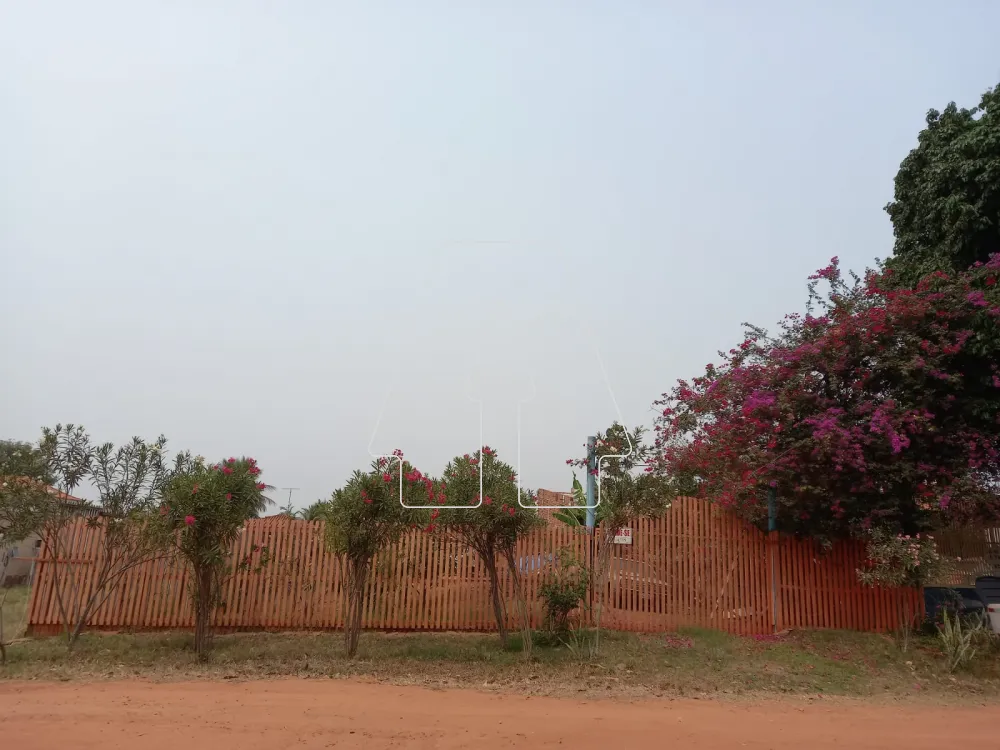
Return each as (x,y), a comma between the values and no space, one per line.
(691,663)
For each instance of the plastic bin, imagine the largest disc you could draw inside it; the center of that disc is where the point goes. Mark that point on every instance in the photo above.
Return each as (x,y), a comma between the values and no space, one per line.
(994,612)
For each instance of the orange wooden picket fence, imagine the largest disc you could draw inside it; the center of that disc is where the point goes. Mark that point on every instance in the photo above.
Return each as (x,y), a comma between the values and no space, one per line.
(696,565)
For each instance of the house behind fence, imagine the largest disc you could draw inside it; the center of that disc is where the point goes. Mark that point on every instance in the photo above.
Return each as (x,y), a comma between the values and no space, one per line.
(18,557)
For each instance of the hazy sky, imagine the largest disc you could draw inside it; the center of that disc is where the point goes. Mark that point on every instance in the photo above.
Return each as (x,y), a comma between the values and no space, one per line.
(257,226)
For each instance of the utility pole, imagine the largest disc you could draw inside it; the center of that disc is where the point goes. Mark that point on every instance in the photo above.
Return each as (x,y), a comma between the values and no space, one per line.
(290,490)
(591,483)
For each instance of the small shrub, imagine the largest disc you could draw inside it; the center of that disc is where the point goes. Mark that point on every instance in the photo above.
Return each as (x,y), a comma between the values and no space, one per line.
(563,592)
(958,641)
(900,559)
(984,640)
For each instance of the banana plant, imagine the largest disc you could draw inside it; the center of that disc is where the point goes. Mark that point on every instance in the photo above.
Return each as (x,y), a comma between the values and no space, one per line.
(577,516)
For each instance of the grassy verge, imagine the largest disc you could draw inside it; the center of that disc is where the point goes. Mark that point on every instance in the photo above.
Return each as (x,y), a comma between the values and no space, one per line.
(689,663)
(14,607)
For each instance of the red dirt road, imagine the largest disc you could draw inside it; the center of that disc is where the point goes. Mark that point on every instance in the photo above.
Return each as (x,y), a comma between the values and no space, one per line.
(344,714)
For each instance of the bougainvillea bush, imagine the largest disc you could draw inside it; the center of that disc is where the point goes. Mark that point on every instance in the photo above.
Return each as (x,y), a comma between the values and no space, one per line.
(365,516)
(204,510)
(879,407)
(492,529)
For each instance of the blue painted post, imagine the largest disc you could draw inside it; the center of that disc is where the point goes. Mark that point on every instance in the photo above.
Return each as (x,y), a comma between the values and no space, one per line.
(591,483)
(772,527)
(772,509)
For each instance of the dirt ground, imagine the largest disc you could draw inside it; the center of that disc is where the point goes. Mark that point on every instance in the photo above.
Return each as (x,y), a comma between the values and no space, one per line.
(294,713)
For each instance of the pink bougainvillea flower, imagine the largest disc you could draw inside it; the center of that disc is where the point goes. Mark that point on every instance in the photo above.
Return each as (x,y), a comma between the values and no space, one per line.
(387,478)
(229,496)
(227,471)
(231,460)
(194,490)
(487,500)
(511,511)
(163,510)
(261,486)
(189,520)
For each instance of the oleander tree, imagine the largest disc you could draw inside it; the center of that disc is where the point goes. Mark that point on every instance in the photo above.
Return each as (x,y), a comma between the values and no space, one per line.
(490,523)
(24,505)
(129,480)
(365,516)
(22,459)
(204,510)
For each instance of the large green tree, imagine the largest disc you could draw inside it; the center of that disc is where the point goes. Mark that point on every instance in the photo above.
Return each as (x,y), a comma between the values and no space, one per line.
(21,459)
(946,212)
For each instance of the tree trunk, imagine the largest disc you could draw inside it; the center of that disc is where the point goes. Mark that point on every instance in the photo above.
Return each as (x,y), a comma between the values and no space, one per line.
(499,610)
(3,599)
(83,616)
(354,593)
(600,580)
(522,605)
(52,547)
(74,636)
(203,601)
(906,624)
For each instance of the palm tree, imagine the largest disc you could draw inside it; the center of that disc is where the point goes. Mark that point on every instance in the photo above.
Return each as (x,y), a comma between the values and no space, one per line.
(315,512)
